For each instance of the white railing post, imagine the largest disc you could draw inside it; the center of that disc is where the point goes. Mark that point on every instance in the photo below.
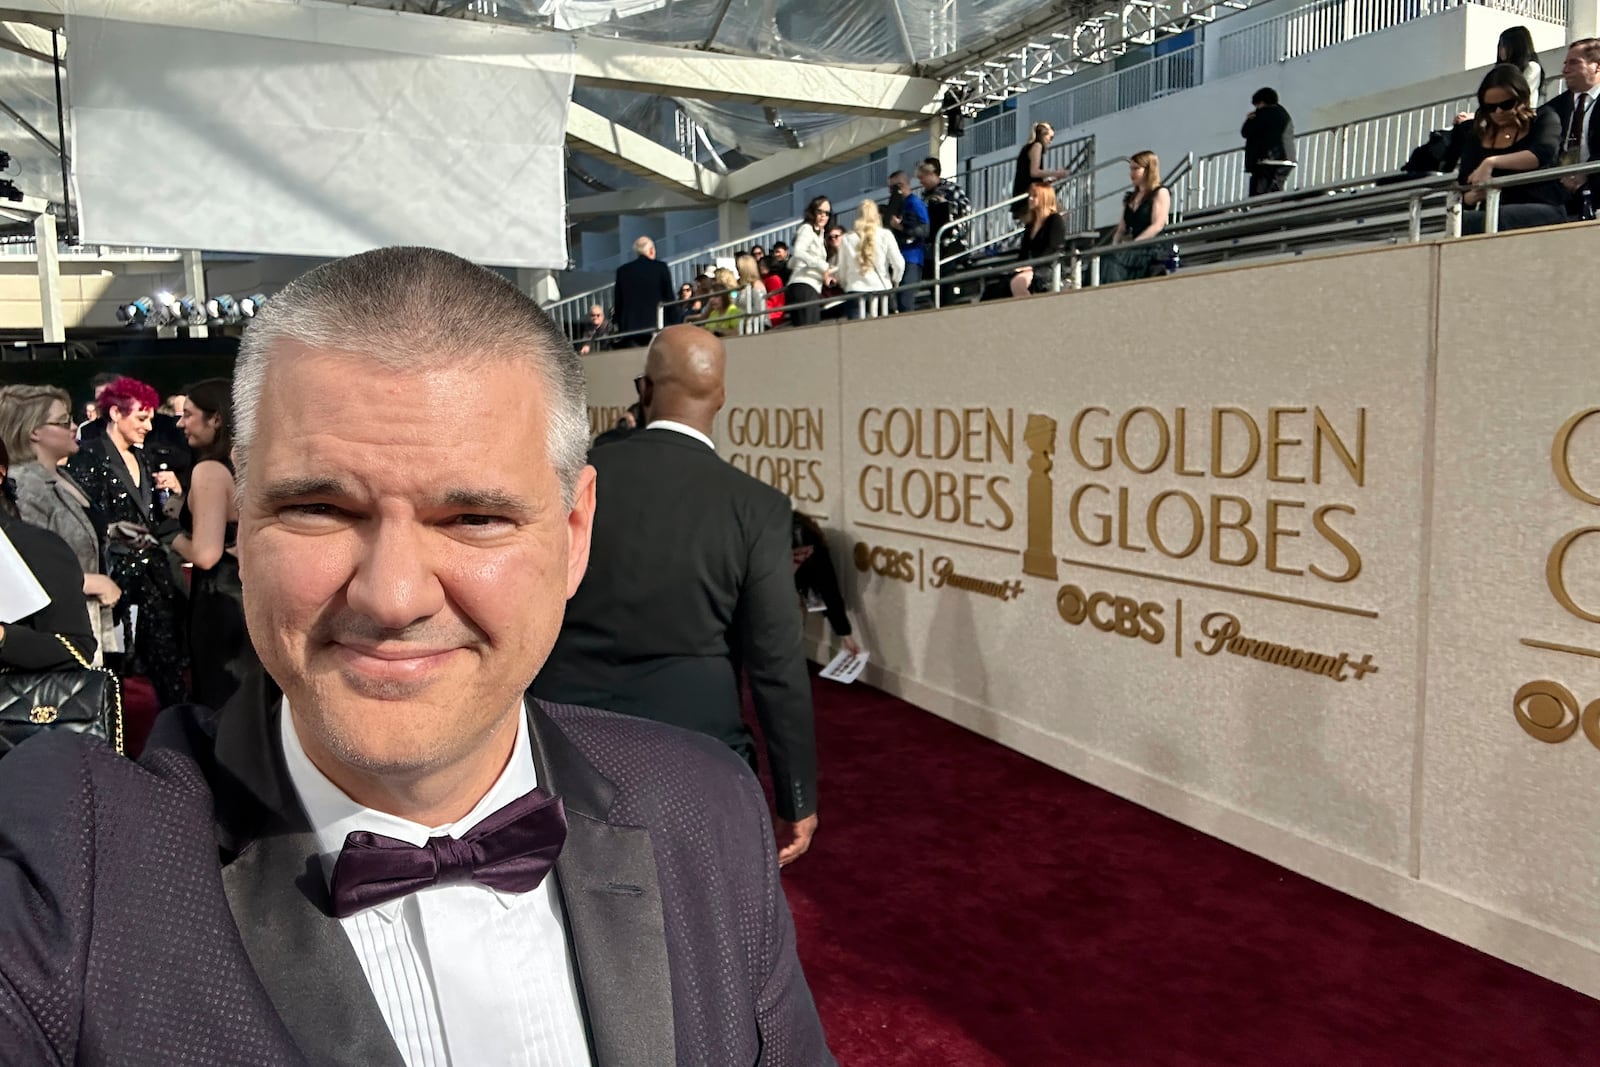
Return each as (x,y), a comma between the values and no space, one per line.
(1452,214)
(1491,211)
(1415,225)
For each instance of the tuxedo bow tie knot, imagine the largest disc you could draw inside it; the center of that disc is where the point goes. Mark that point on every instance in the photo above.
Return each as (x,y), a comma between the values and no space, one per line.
(512,850)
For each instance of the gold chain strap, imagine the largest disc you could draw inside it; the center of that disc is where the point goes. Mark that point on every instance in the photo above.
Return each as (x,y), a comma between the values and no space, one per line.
(116,689)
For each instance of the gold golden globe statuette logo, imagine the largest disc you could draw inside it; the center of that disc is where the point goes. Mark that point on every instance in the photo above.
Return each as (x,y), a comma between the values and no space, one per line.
(1040,558)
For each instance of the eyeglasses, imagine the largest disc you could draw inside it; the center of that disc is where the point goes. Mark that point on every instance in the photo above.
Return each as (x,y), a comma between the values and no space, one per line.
(638,385)
(1504,105)
(65,422)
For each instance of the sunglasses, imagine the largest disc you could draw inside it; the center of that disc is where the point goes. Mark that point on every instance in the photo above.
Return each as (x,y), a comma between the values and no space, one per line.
(1504,105)
(638,385)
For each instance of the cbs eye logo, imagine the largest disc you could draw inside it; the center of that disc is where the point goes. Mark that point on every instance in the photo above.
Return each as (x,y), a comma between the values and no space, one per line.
(1110,613)
(885,562)
(1548,711)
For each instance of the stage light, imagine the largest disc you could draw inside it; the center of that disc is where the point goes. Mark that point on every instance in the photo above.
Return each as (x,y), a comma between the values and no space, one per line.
(189,311)
(250,305)
(136,312)
(223,309)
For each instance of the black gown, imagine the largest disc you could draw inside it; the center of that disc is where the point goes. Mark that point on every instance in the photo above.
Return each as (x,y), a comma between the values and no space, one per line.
(158,649)
(220,653)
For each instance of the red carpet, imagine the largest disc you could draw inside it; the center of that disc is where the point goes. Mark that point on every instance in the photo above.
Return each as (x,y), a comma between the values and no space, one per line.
(966,905)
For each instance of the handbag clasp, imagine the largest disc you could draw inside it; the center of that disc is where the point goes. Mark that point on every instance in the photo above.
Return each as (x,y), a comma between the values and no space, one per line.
(42,715)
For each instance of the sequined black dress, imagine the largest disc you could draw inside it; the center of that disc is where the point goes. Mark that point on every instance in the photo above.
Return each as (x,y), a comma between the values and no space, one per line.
(158,649)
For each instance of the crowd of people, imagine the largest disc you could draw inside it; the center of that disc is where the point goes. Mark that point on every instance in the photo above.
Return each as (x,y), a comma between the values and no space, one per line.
(874,266)
(142,494)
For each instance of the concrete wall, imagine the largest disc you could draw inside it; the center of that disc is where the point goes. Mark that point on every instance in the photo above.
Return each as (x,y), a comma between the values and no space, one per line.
(1287,585)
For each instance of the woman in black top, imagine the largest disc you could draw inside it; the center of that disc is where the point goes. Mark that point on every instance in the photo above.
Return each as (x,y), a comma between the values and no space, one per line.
(1144,215)
(1030,167)
(220,653)
(1508,137)
(1044,234)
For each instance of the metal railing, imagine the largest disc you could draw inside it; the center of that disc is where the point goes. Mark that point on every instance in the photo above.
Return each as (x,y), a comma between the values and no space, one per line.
(1366,148)
(991,185)
(1334,217)
(1331,22)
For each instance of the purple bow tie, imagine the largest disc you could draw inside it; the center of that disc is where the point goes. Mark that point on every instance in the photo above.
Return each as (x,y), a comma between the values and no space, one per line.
(512,850)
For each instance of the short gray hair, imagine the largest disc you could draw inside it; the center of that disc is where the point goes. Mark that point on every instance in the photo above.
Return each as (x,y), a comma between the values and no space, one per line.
(404,309)
(642,243)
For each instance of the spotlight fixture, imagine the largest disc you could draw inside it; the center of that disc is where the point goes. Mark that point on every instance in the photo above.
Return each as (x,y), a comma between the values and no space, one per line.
(189,312)
(136,312)
(251,305)
(222,309)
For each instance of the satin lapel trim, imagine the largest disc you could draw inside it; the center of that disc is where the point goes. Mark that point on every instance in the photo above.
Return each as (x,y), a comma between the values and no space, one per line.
(607,876)
(278,896)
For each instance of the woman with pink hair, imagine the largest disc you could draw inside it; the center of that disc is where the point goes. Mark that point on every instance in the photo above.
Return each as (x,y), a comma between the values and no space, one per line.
(124,503)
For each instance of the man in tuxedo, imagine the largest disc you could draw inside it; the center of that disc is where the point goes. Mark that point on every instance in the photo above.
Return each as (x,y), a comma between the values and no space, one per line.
(1580,118)
(386,853)
(642,285)
(692,581)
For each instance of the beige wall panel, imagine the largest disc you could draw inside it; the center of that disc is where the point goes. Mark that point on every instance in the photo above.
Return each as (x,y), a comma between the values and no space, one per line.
(1332,761)
(781,421)
(610,380)
(1511,821)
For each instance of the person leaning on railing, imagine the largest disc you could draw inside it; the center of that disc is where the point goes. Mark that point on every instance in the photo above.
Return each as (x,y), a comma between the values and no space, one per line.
(1508,137)
(1044,234)
(1144,215)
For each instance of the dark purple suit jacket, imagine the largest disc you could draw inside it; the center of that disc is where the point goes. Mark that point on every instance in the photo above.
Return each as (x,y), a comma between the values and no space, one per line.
(173,911)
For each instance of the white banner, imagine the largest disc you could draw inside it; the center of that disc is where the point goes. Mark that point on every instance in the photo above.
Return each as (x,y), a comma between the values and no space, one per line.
(193,138)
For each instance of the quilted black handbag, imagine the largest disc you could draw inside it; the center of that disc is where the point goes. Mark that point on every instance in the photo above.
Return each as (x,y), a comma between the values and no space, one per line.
(84,699)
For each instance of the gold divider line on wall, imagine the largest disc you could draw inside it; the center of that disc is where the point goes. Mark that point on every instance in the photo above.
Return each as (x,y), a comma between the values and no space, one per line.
(1257,593)
(1553,647)
(939,537)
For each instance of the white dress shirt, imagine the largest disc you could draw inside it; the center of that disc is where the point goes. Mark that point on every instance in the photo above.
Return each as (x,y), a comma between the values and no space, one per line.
(464,975)
(678,427)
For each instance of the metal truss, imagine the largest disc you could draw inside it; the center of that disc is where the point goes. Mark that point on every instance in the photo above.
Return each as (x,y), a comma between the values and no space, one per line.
(1086,33)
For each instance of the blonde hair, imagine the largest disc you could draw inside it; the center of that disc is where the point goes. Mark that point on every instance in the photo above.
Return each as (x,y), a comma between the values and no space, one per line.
(724,279)
(23,409)
(1044,204)
(1152,168)
(866,230)
(1040,129)
(748,274)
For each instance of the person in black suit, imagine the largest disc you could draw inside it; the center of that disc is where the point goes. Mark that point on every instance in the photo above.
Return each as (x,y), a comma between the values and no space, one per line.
(386,853)
(30,643)
(1580,140)
(691,579)
(642,286)
(1268,134)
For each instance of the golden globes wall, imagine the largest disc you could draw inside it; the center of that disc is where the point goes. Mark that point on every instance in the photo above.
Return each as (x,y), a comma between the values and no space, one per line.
(1511,806)
(1306,556)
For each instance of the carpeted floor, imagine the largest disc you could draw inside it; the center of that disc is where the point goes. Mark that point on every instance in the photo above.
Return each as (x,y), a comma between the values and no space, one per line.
(965,906)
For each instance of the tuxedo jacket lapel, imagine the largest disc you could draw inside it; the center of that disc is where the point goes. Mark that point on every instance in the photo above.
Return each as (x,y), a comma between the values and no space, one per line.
(606,874)
(277,891)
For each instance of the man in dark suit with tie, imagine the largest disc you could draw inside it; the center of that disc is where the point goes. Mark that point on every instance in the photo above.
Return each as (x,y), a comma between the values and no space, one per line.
(692,581)
(1580,118)
(642,285)
(387,853)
